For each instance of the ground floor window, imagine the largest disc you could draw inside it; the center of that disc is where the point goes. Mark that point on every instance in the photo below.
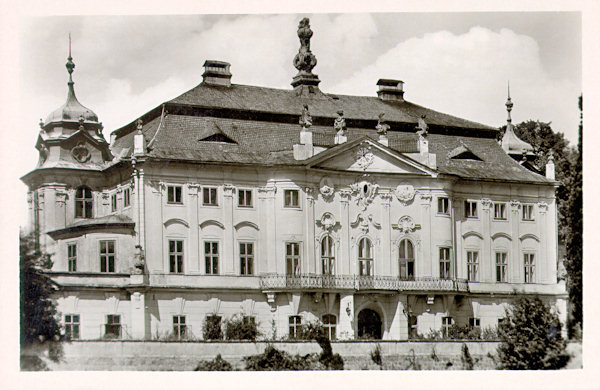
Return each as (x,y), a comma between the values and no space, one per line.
(474,322)
(412,327)
(112,328)
(330,322)
(179,327)
(212,328)
(295,330)
(71,326)
(446,325)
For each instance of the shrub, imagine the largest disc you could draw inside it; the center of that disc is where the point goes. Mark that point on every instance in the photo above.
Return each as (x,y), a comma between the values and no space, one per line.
(212,328)
(531,337)
(316,331)
(273,359)
(217,364)
(466,358)
(490,333)
(241,328)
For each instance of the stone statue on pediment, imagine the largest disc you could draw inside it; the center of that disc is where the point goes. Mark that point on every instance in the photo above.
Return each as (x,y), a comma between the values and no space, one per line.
(382,127)
(340,123)
(305,118)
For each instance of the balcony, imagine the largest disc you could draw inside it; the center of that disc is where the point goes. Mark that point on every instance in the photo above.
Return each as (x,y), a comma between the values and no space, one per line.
(355,282)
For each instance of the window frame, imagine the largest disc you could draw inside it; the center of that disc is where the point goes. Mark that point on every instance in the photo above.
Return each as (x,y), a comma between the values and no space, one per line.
(447,322)
(84,205)
(126,197)
(114,204)
(72,257)
(475,322)
(365,262)
(472,265)
(243,203)
(72,323)
(294,326)
(293,259)
(443,205)
(327,255)
(528,267)
(407,263)
(211,258)
(117,325)
(291,204)
(445,263)
(210,201)
(247,259)
(179,327)
(501,266)
(530,213)
(330,328)
(176,256)
(500,206)
(174,194)
(105,256)
(471,209)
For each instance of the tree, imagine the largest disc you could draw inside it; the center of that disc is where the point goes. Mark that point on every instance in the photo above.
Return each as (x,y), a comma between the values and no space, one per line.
(38,310)
(531,337)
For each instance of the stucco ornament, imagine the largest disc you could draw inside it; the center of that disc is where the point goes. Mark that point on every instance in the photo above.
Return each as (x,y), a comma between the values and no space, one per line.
(81,153)
(365,191)
(405,193)
(327,222)
(364,156)
(406,224)
(326,187)
(363,220)
(139,260)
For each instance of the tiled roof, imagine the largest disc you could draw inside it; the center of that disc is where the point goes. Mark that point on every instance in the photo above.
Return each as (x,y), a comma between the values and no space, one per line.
(269,141)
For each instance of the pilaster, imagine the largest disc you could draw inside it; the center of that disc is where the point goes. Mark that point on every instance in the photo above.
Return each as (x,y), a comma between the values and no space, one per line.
(485,261)
(138,316)
(346,317)
(267,197)
(193,260)
(386,244)
(228,234)
(345,265)
(309,231)
(543,263)
(429,260)
(515,268)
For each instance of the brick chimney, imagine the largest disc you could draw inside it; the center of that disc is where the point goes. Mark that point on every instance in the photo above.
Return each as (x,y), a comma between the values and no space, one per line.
(390,90)
(217,73)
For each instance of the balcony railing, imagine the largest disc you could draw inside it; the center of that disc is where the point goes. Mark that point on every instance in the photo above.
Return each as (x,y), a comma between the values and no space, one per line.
(354,282)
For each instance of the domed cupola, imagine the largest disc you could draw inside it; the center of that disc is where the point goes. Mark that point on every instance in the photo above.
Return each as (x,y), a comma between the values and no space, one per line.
(513,145)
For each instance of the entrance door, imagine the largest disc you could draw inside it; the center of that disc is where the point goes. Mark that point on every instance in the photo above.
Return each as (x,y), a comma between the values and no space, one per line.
(369,325)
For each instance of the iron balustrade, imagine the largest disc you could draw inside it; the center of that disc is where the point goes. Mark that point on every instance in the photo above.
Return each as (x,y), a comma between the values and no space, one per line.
(359,282)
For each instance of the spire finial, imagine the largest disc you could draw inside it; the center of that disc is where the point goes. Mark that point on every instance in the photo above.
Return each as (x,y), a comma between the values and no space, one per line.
(70,64)
(509,105)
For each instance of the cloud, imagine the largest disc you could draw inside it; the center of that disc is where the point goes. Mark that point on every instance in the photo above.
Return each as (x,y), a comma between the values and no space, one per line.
(467,74)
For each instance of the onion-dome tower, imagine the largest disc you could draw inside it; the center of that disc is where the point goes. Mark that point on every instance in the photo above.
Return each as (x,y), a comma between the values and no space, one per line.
(513,145)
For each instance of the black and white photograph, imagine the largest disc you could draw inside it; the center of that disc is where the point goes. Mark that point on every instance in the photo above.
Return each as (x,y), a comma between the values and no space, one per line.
(387,190)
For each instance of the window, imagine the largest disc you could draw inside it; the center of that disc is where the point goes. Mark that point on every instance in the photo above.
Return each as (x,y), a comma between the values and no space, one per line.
(176,256)
(112,328)
(71,326)
(209,196)
(446,325)
(474,322)
(327,256)
(472,265)
(528,261)
(291,198)
(499,210)
(211,257)
(72,257)
(179,327)
(212,328)
(245,198)
(527,212)
(83,203)
(412,327)
(295,327)
(126,197)
(365,257)
(329,323)
(247,258)
(406,258)
(292,258)
(174,194)
(107,256)
(445,263)
(501,267)
(470,209)
(113,203)
(443,206)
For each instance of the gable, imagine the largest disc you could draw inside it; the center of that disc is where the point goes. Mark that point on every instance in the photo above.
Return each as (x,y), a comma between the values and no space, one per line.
(463,153)
(218,137)
(370,157)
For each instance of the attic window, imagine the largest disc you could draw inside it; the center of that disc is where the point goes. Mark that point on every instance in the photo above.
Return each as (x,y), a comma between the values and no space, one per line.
(463,153)
(218,137)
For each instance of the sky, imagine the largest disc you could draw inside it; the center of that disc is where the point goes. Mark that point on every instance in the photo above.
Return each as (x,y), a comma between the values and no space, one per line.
(457,63)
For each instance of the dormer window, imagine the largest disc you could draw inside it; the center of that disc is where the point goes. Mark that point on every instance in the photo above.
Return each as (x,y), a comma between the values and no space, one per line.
(83,203)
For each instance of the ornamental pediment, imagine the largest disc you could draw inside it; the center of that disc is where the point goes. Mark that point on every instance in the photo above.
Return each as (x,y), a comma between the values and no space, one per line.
(367,156)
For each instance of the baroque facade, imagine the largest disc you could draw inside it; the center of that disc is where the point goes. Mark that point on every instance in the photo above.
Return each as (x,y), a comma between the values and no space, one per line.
(378,217)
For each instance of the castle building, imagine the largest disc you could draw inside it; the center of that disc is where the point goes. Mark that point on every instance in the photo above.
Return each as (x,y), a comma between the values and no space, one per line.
(376,216)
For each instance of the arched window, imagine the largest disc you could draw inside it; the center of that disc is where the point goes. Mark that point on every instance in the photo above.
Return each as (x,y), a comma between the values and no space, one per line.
(406,259)
(330,322)
(83,203)
(327,256)
(365,257)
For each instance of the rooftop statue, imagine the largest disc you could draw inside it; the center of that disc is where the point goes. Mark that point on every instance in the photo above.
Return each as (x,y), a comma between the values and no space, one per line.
(305,61)
(305,118)
(340,123)
(382,127)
